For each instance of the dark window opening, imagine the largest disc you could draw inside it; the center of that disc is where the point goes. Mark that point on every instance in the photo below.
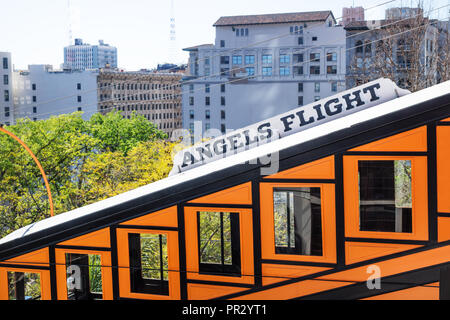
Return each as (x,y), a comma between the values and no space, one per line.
(149,263)
(385,198)
(219,243)
(84,273)
(298,221)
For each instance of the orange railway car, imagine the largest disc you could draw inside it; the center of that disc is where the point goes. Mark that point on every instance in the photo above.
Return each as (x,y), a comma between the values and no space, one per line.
(357,211)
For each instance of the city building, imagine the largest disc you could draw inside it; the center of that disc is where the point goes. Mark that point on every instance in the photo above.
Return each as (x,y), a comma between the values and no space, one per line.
(358,209)
(259,66)
(41,92)
(352,14)
(6,91)
(402,13)
(81,56)
(156,96)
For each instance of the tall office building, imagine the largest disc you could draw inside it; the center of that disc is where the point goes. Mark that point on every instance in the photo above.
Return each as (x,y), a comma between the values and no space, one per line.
(261,66)
(6,92)
(352,14)
(81,56)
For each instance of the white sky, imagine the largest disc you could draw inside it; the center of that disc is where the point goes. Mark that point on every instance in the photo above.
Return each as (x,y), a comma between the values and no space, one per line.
(35,31)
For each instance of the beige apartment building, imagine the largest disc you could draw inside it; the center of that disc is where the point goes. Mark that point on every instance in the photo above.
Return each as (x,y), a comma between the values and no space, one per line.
(156,96)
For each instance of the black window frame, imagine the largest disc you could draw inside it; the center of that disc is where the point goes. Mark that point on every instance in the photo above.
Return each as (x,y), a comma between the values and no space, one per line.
(233,270)
(82,261)
(138,284)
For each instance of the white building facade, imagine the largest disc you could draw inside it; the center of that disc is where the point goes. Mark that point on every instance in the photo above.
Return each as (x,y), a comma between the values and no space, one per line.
(81,56)
(40,92)
(6,91)
(260,66)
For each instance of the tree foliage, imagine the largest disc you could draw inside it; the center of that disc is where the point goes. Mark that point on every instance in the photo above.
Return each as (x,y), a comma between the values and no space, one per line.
(85,161)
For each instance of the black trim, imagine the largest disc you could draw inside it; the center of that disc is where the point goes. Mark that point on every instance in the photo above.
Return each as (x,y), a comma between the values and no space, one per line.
(124,226)
(299,263)
(406,280)
(377,128)
(82,248)
(23,266)
(394,241)
(53,283)
(443,214)
(339,208)
(443,123)
(432,183)
(215,205)
(444,283)
(221,283)
(271,180)
(114,262)
(256,215)
(386,153)
(182,252)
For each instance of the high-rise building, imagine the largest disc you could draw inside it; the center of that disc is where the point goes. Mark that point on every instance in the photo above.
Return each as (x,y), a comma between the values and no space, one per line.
(156,96)
(6,92)
(81,56)
(261,66)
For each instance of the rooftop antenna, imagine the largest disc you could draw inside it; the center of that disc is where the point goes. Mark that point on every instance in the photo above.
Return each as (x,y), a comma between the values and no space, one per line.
(173,35)
(69,18)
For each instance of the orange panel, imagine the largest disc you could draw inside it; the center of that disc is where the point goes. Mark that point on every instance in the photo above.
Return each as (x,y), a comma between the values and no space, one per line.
(45,282)
(443,169)
(294,290)
(319,169)
(123,254)
(416,293)
(98,238)
(241,194)
(360,251)
(434,284)
(394,266)
(443,229)
(328,223)
(205,291)
(61,275)
(413,140)
(273,273)
(162,218)
(246,242)
(35,258)
(419,199)
(447,119)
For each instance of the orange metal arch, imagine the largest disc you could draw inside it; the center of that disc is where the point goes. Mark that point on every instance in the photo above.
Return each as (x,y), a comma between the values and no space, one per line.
(37,163)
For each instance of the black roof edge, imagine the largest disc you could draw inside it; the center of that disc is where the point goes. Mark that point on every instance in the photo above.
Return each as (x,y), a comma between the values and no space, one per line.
(340,141)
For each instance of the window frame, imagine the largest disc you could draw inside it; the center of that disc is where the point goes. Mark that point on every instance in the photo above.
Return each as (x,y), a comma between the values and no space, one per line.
(44,278)
(419,190)
(327,215)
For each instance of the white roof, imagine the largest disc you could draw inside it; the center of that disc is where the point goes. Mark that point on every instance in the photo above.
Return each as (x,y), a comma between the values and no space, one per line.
(391,106)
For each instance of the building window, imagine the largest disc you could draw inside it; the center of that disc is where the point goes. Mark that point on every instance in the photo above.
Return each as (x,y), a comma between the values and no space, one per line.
(297,221)
(316,98)
(78,86)
(222,101)
(79,98)
(300,41)
(314,38)
(334,86)
(298,70)
(219,243)
(33,87)
(24,286)
(222,88)
(207,126)
(249,59)
(385,197)
(298,57)
(5,63)
(6,95)
(207,101)
(5,79)
(237,59)
(296,29)
(88,283)
(314,69)
(267,59)
(359,46)
(300,100)
(191,114)
(267,71)
(207,89)
(331,69)
(250,71)
(331,56)
(191,101)
(207,114)
(222,114)
(316,86)
(79,109)
(149,263)
(284,58)
(191,88)
(6,112)
(314,57)
(300,87)
(224,59)
(34,109)
(284,71)
(223,128)
(222,43)
(224,71)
